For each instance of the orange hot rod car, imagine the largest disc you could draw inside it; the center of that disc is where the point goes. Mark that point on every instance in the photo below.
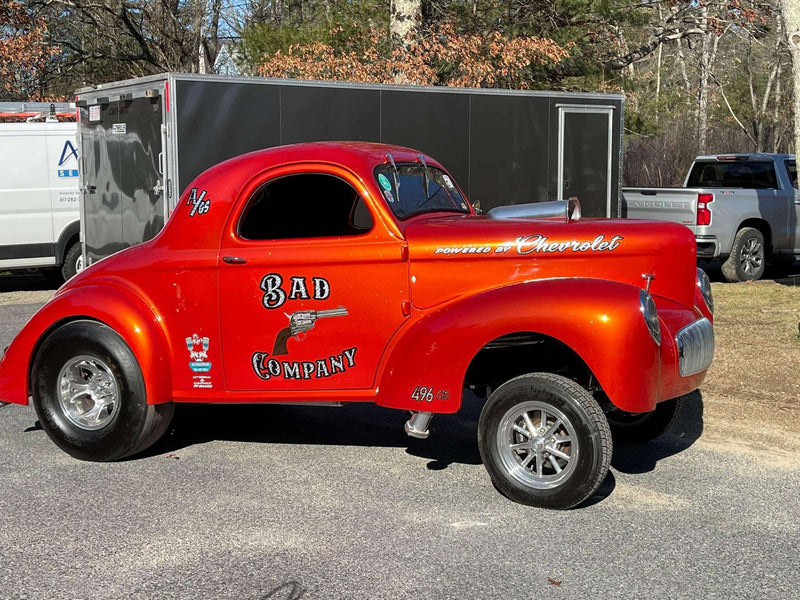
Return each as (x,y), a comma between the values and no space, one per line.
(354,272)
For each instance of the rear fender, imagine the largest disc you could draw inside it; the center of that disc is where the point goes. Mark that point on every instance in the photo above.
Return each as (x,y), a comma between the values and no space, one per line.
(109,303)
(599,320)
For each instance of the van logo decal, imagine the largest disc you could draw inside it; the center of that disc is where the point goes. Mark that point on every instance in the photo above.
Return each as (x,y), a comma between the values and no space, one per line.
(69,151)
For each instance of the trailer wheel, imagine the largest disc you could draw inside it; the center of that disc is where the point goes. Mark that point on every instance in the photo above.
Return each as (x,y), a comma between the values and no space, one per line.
(544,441)
(643,427)
(73,261)
(746,262)
(89,394)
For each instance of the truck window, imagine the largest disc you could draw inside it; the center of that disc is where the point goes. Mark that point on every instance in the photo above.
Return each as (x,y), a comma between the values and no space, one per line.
(743,174)
(412,198)
(791,169)
(307,205)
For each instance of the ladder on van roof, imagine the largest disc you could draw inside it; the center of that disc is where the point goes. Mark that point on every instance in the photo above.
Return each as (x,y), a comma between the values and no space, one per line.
(37,111)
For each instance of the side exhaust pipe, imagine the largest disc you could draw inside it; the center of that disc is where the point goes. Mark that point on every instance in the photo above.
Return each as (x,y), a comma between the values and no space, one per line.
(564,211)
(417,425)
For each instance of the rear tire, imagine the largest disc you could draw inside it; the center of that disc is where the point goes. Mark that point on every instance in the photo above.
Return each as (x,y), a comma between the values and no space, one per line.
(643,427)
(73,261)
(544,441)
(747,261)
(89,394)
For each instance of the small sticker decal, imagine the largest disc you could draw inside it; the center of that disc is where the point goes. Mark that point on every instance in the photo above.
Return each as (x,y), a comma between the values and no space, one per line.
(202,382)
(119,128)
(448,182)
(388,195)
(200,205)
(385,183)
(94,113)
(198,353)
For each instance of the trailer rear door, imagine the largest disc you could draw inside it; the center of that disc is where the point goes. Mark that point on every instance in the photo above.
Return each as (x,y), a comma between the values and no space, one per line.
(585,143)
(123,184)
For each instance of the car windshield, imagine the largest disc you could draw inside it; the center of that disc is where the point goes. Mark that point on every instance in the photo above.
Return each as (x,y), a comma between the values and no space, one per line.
(404,189)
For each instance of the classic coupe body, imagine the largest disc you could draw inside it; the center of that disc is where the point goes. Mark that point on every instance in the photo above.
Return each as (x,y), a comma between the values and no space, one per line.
(352,272)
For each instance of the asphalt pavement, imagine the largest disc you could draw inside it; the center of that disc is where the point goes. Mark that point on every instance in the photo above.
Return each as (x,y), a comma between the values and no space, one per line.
(290,503)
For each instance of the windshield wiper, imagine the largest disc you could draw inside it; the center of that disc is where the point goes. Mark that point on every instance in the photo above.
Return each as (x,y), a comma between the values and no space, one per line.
(390,158)
(426,176)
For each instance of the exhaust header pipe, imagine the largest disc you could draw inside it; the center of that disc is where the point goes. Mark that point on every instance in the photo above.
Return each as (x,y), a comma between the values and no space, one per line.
(564,211)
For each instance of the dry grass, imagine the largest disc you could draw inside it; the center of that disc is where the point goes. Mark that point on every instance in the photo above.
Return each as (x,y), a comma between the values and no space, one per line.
(752,390)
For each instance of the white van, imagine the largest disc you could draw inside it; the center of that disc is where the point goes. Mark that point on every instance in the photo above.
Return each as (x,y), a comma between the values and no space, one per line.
(39,209)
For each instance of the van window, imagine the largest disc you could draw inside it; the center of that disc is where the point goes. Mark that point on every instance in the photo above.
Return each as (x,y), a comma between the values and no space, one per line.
(308,205)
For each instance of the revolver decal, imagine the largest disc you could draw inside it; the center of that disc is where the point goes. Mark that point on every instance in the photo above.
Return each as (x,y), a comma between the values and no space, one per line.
(300,322)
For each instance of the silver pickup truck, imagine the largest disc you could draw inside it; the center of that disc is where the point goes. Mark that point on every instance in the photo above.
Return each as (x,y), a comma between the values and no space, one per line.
(743,209)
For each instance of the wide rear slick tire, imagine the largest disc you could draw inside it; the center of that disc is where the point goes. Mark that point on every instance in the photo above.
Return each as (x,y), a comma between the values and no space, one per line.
(89,394)
(544,441)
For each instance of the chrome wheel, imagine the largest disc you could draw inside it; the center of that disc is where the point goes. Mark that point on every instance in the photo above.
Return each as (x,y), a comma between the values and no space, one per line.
(537,445)
(88,392)
(752,256)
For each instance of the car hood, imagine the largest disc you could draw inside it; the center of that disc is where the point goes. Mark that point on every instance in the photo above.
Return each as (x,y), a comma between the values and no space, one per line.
(454,256)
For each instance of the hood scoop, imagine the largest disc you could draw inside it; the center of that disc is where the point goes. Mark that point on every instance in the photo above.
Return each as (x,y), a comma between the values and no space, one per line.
(564,211)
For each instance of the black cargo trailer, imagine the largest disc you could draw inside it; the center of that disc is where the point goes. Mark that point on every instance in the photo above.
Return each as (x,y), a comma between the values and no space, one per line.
(144,140)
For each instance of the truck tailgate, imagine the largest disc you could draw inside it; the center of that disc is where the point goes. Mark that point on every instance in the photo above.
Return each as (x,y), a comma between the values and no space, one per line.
(678,205)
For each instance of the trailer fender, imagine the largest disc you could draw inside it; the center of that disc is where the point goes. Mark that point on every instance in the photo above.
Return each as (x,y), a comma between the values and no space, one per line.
(109,303)
(601,321)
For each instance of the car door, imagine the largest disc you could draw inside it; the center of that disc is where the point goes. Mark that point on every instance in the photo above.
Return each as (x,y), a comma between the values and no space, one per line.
(312,286)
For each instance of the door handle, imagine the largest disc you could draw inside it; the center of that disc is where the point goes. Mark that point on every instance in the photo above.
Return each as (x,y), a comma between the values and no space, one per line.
(233,260)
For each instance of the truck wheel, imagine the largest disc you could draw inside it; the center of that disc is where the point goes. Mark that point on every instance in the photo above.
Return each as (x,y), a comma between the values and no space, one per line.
(544,441)
(746,262)
(643,427)
(89,394)
(73,261)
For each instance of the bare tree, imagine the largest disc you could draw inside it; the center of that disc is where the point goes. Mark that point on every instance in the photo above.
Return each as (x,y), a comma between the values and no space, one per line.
(791,19)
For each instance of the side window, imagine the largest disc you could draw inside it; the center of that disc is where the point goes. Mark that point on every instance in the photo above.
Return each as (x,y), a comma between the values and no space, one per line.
(308,205)
(791,169)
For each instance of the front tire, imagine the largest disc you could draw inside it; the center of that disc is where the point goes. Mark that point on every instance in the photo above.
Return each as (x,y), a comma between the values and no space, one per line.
(544,441)
(643,427)
(747,261)
(89,394)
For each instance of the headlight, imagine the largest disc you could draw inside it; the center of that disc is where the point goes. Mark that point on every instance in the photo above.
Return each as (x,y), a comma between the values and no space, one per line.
(648,308)
(704,283)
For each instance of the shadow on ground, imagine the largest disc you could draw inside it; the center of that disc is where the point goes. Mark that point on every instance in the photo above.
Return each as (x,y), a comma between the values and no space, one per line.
(783,274)
(14,281)
(453,438)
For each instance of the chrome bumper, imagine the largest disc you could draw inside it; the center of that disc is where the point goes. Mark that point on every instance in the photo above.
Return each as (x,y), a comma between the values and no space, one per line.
(695,347)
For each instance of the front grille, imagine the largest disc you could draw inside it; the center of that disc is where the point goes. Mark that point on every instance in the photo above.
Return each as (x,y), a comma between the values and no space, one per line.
(695,347)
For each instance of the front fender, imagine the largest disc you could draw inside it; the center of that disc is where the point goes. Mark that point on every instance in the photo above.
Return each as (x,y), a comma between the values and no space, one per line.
(116,306)
(598,319)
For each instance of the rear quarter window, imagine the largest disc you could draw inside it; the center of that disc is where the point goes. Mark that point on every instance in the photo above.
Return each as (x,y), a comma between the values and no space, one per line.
(743,174)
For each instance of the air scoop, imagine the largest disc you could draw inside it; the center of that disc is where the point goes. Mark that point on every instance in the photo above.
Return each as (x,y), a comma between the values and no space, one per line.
(563,210)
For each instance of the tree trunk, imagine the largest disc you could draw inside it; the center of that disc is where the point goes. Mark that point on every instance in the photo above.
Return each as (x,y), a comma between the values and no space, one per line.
(791,19)
(405,19)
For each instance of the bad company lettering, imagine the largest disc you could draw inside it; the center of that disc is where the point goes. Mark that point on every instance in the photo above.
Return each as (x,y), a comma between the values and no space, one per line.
(275,296)
(267,368)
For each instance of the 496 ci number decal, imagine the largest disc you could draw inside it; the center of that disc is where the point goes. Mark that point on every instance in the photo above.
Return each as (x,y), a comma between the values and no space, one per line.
(423,393)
